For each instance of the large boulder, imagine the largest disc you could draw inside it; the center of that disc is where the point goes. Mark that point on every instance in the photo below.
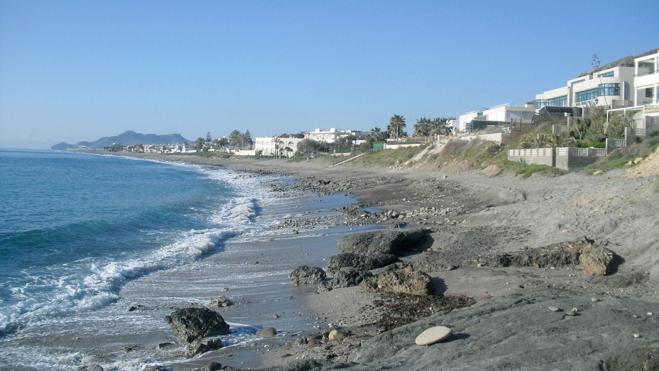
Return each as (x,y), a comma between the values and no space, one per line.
(401,281)
(191,325)
(360,262)
(596,261)
(306,275)
(395,242)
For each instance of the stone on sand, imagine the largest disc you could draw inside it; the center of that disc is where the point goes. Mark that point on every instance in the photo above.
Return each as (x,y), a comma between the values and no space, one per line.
(267,332)
(596,261)
(433,335)
(193,324)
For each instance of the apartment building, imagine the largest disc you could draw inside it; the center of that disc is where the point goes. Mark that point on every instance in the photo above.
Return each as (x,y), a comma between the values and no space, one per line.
(646,80)
(610,87)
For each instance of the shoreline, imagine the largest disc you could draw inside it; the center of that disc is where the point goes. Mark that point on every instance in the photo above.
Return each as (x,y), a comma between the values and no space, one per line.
(495,264)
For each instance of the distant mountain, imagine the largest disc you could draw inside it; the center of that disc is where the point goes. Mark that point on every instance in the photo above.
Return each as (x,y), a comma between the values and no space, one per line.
(126,138)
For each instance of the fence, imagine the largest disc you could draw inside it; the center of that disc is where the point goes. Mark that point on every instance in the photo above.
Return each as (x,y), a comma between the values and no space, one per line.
(562,157)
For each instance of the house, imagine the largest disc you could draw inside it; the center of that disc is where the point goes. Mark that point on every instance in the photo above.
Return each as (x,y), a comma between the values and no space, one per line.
(497,115)
(277,146)
(331,135)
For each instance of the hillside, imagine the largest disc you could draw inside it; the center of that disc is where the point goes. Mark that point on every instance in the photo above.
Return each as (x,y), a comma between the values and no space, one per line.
(126,138)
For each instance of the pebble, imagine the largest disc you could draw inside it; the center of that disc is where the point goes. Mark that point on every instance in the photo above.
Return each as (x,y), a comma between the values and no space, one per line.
(554,309)
(594,300)
(335,335)
(433,335)
(573,312)
(637,336)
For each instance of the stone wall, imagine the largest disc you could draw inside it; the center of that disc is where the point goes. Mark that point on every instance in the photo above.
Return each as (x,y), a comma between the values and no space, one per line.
(565,158)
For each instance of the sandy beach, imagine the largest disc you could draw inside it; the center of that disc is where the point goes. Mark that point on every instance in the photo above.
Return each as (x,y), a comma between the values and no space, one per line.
(500,282)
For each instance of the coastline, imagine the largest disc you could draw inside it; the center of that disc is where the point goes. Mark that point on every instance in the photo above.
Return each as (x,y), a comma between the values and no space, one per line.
(474,217)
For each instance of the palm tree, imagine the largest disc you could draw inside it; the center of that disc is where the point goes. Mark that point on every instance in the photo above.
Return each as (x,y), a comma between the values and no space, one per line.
(396,126)
(377,135)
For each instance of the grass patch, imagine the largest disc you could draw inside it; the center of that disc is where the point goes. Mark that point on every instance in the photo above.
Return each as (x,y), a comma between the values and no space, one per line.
(622,156)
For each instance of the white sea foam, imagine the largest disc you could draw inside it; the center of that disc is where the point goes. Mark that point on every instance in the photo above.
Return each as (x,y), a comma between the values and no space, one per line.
(97,284)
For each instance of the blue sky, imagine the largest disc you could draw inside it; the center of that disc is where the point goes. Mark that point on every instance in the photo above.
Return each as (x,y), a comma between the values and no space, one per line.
(78,70)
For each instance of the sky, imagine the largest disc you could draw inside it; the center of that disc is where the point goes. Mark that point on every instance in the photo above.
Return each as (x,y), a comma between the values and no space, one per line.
(79,70)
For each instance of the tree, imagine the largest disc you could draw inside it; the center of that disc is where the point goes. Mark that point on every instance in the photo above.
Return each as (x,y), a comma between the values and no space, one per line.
(396,126)
(199,144)
(222,142)
(235,138)
(425,127)
(308,147)
(377,135)
(247,139)
(208,137)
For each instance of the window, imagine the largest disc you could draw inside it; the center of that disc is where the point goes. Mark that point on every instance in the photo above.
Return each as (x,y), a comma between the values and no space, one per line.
(553,102)
(606,74)
(648,93)
(601,90)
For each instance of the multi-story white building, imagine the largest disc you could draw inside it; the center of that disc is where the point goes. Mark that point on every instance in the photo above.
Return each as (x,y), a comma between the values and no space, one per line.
(609,87)
(646,80)
(276,146)
(503,113)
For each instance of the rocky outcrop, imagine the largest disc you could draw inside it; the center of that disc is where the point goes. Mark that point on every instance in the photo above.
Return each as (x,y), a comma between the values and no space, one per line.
(594,260)
(384,242)
(192,325)
(401,281)
(345,277)
(360,262)
(306,275)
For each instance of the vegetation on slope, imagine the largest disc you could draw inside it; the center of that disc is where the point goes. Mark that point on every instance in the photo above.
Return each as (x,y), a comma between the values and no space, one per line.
(626,156)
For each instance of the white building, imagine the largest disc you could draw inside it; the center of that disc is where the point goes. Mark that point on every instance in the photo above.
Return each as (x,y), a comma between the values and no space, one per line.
(646,80)
(329,136)
(611,86)
(276,146)
(503,113)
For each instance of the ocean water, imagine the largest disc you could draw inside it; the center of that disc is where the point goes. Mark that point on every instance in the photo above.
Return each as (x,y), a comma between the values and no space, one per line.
(75,228)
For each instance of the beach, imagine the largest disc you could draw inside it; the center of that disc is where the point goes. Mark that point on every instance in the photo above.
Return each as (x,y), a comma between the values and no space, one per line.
(539,312)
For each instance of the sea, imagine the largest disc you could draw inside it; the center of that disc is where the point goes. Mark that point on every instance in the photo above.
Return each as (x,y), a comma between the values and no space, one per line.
(80,233)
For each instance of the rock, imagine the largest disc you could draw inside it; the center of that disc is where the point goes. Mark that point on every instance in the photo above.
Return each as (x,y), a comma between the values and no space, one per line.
(598,172)
(433,335)
(306,275)
(383,242)
(165,345)
(193,324)
(220,302)
(401,281)
(360,262)
(554,309)
(346,277)
(213,366)
(336,335)
(267,332)
(204,346)
(596,261)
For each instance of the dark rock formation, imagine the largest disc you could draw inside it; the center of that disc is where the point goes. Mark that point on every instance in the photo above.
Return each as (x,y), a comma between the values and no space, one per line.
(306,275)
(384,242)
(191,325)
